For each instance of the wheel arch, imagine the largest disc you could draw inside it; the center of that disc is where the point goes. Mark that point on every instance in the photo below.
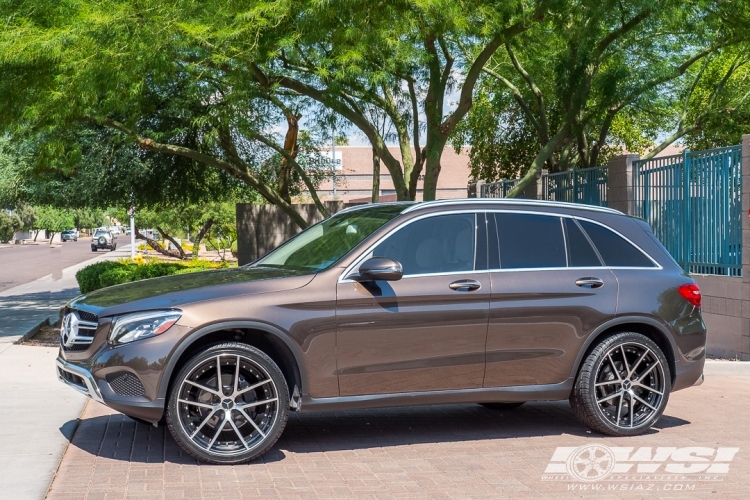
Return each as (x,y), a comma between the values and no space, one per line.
(649,327)
(271,340)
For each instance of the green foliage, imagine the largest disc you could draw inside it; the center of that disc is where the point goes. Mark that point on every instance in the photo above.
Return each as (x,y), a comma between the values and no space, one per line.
(9,224)
(597,78)
(109,273)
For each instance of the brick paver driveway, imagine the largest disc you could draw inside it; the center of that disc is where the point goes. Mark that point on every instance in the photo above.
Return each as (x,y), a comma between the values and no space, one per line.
(456,451)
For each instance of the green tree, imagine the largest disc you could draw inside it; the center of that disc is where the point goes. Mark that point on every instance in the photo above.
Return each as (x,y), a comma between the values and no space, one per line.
(593,79)
(132,68)
(9,224)
(54,220)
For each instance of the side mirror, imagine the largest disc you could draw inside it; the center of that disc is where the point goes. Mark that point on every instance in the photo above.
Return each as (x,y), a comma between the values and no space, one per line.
(379,268)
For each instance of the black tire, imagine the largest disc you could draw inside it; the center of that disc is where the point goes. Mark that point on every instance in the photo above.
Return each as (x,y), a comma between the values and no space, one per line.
(93,249)
(502,406)
(193,410)
(113,248)
(606,387)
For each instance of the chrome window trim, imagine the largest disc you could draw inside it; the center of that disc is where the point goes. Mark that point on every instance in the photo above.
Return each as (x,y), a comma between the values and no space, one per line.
(363,255)
(366,252)
(565,242)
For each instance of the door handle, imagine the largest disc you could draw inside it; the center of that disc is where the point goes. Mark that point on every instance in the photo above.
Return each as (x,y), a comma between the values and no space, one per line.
(589,282)
(465,285)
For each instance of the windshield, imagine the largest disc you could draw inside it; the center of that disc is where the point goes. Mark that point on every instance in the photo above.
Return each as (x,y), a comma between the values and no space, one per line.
(325,243)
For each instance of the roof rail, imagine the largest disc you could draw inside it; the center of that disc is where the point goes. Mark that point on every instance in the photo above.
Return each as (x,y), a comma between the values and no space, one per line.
(511,201)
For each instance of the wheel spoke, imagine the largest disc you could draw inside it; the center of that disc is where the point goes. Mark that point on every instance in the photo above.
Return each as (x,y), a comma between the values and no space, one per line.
(625,361)
(611,382)
(237,431)
(614,368)
(256,403)
(631,409)
(202,387)
(648,370)
(250,388)
(236,375)
(196,403)
(643,402)
(607,398)
(650,389)
(218,431)
(619,408)
(197,430)
(252,422)
(638,362)
(218,377)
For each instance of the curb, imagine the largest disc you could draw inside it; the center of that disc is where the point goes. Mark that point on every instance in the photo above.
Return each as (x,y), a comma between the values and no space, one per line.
(726,368)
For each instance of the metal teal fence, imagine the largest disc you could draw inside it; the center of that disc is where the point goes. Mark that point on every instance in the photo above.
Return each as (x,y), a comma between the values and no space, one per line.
(584,185)
(693,203)
(499,189)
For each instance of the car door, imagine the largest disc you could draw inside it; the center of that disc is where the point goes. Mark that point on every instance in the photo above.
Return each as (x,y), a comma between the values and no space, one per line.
(550,290)
(427,331)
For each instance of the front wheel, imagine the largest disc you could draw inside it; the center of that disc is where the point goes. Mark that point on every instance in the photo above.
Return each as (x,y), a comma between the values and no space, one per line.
(623,386)
(229,404)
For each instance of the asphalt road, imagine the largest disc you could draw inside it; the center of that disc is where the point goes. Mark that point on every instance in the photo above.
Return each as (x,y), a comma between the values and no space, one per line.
(20,264)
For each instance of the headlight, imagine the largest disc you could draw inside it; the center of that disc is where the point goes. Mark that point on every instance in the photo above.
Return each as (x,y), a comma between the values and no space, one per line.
(141,325)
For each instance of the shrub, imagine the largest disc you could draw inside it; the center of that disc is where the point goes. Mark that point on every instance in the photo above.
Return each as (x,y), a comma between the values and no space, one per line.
(109,273)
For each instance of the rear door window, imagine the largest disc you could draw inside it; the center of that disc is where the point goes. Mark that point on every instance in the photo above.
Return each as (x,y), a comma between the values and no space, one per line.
(530,241)
(615,250)
(580,251)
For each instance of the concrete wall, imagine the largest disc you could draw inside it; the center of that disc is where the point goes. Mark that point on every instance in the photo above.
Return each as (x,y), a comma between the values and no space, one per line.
(261,228)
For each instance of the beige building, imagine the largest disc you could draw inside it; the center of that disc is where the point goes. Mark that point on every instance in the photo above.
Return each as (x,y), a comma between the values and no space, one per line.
(354,175)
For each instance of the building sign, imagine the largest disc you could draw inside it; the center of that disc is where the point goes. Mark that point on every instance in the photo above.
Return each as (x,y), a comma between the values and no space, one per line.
(339,158)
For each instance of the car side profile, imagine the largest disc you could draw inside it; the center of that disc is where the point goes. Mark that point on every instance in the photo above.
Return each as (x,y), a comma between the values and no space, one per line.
(496,302)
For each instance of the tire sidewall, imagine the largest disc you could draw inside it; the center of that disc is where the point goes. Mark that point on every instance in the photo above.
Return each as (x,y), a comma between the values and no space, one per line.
(173,419)
(589,397)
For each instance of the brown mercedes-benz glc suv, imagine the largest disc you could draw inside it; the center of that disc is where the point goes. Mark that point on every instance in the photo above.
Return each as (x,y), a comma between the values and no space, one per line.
(495,302)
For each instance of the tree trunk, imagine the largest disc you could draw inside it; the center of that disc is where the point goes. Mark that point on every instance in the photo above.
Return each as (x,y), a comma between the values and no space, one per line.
(156,245)
(375,176)
(290,145)
(433,153)
(199,237)
(538,163)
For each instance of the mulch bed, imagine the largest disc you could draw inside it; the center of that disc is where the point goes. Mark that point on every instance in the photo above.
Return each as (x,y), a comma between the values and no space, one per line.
(47,336)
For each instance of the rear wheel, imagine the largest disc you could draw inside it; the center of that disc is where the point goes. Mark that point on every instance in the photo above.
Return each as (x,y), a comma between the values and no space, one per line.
(93,249)
(501,406)
(623,386)
(229,404)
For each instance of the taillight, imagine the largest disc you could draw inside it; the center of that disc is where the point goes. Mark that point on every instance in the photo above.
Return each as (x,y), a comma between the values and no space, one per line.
(691,292)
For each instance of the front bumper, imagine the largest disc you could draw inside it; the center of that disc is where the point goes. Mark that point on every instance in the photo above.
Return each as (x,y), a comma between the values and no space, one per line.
(79,379)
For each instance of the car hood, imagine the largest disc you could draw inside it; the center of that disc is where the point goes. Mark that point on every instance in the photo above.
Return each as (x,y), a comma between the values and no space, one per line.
(173,291)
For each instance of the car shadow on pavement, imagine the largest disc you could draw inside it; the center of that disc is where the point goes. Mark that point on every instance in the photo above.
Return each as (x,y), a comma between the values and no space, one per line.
(118,437)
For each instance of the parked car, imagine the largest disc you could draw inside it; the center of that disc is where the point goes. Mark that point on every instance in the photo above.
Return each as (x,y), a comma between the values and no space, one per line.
(103,240)
(496,302)
(69,235)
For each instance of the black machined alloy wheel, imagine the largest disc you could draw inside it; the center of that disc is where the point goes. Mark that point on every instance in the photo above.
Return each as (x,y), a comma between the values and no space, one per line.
(623,386)
(229,404)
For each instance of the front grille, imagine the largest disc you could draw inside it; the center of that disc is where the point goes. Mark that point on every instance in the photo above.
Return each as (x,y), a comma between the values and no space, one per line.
(87,316)
(126,384)
(77,330)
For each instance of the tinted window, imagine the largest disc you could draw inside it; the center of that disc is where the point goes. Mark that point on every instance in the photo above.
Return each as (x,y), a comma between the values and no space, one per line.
(580,251)
(530,241)
(323,244)
(615,251)
(439,244)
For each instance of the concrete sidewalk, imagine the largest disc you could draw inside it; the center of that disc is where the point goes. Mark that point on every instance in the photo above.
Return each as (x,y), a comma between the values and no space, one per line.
(38,414)
(23,309)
